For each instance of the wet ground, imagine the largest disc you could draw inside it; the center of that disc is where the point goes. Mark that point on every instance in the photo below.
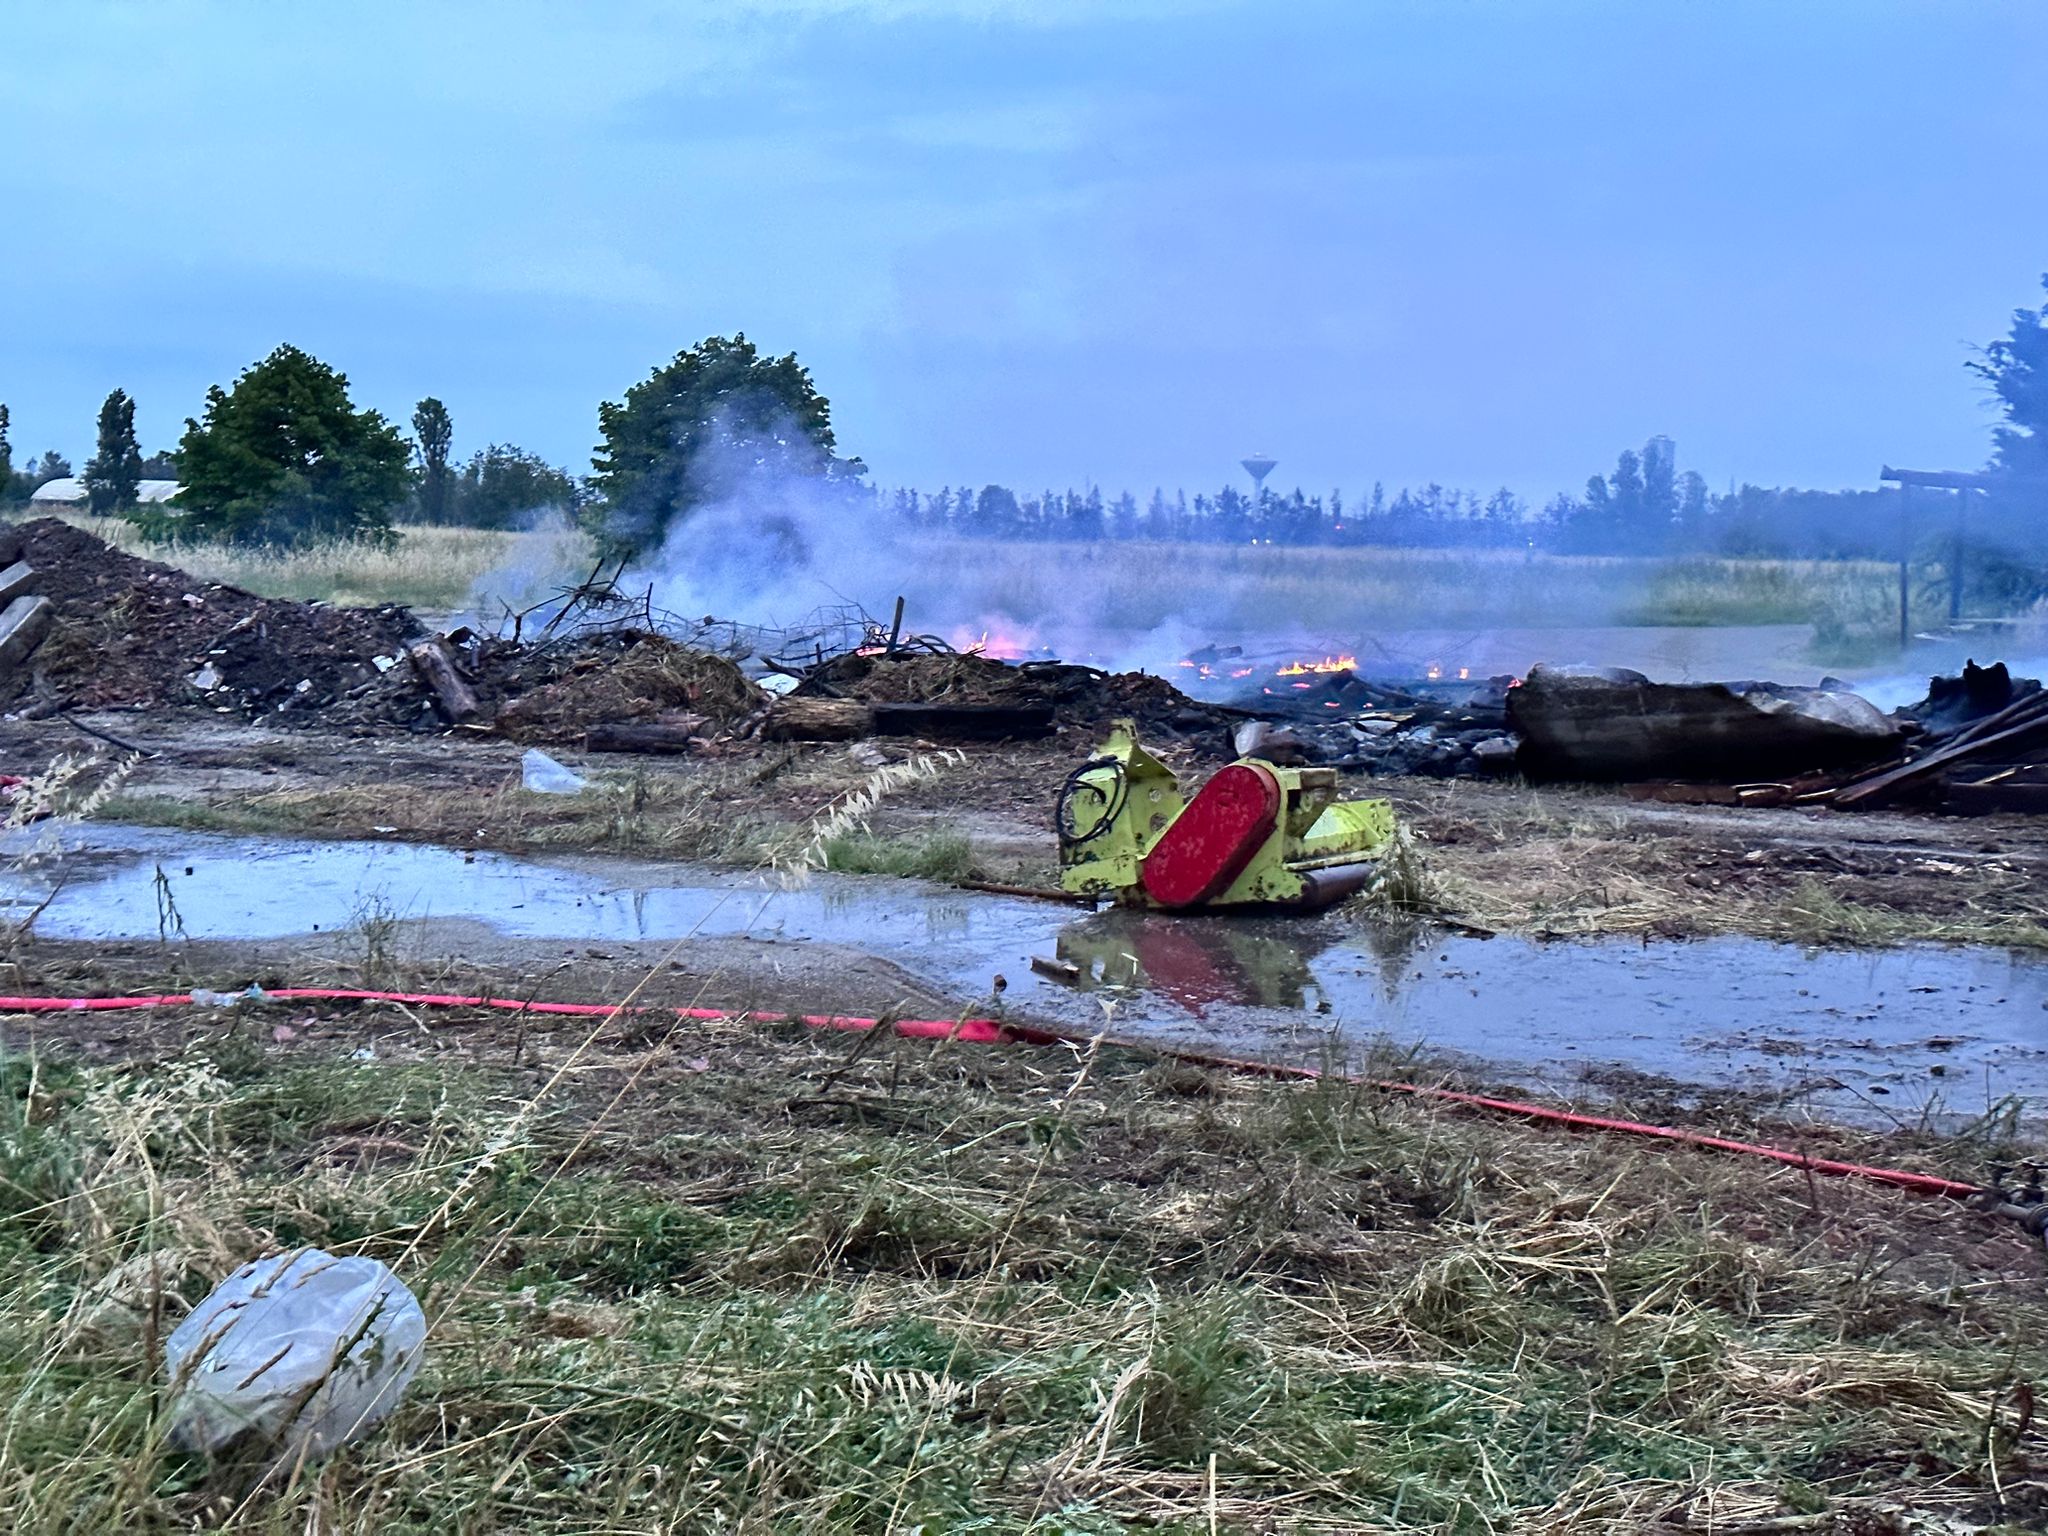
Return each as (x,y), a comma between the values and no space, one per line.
(1899,1034)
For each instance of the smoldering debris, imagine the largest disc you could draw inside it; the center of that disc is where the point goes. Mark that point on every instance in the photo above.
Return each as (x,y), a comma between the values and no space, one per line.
(1616,725)
(610,675)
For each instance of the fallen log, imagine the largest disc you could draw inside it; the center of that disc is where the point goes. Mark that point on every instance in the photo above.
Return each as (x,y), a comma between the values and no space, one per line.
(435,663)
(666,738)
(964,722)
(798,718)
(1618,725)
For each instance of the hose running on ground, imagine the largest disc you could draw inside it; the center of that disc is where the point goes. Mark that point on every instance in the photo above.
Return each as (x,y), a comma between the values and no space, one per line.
(992,1032)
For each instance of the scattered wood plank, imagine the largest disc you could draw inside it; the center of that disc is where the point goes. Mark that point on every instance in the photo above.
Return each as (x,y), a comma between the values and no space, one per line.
(1926,768)
(23,623)
(435,663)
(15,580)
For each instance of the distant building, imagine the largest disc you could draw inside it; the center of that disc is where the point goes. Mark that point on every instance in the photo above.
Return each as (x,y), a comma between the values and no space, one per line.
(69,492)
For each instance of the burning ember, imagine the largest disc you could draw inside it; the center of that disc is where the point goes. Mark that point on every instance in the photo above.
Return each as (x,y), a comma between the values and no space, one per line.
(1208,670)
(1326,664)
(996,644)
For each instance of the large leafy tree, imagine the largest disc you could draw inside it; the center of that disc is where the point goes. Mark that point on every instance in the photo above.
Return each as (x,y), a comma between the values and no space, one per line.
(703,426)
(433,431)
(2016,368)
(284,458)
(115,469)
(503,486)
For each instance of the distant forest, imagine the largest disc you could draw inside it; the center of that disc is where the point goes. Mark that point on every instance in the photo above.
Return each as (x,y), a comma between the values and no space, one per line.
(1646,506)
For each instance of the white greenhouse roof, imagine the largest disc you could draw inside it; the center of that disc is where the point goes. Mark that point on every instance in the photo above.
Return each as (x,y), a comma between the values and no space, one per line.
(71,490)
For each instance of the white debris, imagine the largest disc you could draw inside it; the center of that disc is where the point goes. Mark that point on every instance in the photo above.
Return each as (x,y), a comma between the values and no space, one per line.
(544,776)
(302,1350)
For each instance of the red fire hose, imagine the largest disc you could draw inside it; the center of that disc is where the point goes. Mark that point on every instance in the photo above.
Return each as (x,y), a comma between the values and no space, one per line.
(989,1032)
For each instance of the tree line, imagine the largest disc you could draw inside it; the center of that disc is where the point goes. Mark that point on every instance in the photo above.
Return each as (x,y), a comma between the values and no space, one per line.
(283,456)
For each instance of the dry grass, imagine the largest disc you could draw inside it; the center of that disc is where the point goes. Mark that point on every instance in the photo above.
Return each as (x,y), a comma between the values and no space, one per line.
(1341,592)
(1135,587)
(1571,862)
(429,567)
(704,1279)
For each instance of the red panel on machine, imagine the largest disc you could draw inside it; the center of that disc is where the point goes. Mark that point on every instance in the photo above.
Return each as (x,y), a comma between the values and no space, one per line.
(1211,842)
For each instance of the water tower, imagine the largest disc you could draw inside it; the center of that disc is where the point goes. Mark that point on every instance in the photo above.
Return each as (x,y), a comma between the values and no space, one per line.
(1258,466)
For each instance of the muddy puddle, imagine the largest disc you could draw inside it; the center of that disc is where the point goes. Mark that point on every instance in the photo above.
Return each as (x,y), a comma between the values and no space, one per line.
(1873,1035)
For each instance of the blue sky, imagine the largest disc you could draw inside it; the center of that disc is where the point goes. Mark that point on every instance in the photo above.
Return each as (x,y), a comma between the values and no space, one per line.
(1052,243)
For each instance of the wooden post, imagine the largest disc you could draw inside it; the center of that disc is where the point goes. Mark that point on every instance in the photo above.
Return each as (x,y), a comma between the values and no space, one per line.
(1905,570)
(895,628)
(1956,545)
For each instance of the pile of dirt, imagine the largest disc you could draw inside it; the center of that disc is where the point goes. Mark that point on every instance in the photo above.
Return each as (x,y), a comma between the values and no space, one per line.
(129,631)
(613,678)
(1078,695)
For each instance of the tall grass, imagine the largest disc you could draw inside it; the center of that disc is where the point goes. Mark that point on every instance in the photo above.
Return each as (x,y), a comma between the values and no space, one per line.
(428,567)
(1343,592)
(1126,586)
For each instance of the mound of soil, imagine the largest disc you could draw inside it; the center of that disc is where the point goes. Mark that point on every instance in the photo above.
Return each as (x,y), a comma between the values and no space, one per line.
(132,632)
(1078,695)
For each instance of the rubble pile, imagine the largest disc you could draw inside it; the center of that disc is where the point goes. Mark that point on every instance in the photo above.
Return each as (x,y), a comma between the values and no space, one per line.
(612,679)
(1436,730)
(1979,744)
(1076,695)
(129,631)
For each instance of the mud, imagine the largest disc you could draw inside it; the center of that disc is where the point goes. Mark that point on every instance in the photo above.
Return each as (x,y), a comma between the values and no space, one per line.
(1912,1035)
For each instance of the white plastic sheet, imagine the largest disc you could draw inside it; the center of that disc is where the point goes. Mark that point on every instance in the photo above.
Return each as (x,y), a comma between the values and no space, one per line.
(544,776)
(305,1350)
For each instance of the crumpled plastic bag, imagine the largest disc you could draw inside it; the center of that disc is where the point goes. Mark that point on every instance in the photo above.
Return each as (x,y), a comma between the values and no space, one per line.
(303,1350)
(544,776)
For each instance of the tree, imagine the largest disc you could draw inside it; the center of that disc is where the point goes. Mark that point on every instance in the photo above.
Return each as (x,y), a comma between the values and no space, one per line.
(1660,491)
(996,513)
(1692,510)
(161,465)
(2016,368)
(8,489)
(503,487)
(283,458)
(433,431)
(51,466)
(716,418)
(115,470)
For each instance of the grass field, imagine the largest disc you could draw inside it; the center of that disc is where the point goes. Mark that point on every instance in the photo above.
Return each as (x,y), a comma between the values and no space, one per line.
(1137,587)
(1346,590)
(710,1279)
(440,569)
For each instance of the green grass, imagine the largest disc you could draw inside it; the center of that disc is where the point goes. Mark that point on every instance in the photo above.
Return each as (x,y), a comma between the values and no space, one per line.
(781,1282)
(943,856)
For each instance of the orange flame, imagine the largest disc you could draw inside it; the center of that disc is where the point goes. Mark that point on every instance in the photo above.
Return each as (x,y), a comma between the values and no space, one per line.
(1326,664)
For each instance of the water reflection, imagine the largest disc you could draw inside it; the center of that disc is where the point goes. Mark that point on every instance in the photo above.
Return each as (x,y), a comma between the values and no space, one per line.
(1201,963)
